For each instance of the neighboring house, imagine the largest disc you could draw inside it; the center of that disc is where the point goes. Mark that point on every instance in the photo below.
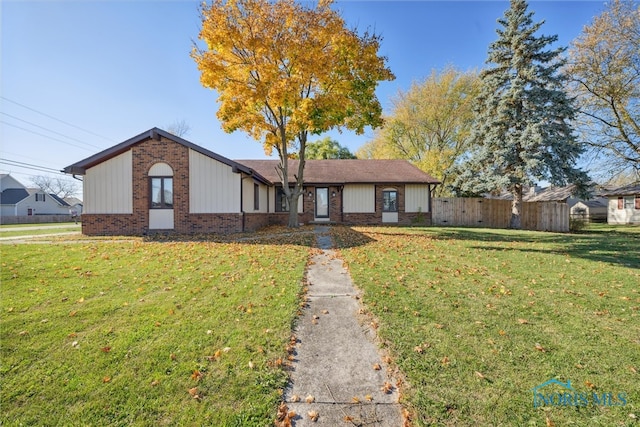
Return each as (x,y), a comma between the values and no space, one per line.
(75,205)
(158,181)
(18,200)
(624,205)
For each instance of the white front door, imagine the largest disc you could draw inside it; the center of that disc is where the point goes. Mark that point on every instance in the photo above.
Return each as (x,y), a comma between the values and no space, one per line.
(322,204)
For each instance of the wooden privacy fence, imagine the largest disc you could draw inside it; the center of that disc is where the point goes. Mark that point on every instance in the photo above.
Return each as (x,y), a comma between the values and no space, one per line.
(495,213)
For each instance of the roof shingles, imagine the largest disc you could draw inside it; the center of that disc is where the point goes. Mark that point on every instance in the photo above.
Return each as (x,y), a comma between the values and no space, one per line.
(354,171)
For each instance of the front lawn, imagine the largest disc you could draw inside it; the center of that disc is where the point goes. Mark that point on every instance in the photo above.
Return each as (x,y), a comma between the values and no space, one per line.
(147,333)
(476,318)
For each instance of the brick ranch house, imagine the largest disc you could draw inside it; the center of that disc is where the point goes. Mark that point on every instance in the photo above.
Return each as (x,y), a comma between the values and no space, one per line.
(156,181)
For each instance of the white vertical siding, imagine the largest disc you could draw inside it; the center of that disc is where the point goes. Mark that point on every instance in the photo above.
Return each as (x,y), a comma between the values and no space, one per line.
(416,198)
(108,186)
(213,187)
(359,198)
(161,169)
(248,194)
(621,216)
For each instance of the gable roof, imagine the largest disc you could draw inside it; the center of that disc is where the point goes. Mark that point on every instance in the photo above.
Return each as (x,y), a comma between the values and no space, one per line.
(627,190)
(80,168)
(553,194)
(7,182)
(12,196)
(343,171)
(59,199)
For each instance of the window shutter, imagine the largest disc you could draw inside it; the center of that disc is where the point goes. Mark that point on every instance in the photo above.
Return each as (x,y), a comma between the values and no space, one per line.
(638,202)
(620,202)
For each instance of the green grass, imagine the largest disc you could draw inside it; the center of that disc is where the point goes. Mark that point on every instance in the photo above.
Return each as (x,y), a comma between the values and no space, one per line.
(475,318)
(118,334)
(48,229)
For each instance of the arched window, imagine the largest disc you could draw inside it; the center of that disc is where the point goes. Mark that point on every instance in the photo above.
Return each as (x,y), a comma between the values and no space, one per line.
(161,186)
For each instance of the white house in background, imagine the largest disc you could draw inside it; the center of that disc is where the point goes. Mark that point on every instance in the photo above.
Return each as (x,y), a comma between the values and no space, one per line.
(624,205)
(18,200)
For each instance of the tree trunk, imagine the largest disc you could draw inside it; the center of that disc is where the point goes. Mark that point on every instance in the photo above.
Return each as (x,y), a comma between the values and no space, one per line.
(516,208)
(293,210)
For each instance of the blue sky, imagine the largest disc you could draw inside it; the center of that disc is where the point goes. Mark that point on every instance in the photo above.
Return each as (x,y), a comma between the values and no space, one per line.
(80,76)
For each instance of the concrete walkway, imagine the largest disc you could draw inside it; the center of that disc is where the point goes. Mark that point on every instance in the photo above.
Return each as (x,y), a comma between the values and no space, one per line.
(338,372)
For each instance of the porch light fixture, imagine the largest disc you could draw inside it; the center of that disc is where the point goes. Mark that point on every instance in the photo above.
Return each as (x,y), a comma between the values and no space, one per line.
(310,194)
(333,194)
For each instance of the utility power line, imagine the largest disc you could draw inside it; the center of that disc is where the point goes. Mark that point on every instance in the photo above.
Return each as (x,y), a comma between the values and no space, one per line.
(23,164)
(49,130)
(57,119)
(46,136)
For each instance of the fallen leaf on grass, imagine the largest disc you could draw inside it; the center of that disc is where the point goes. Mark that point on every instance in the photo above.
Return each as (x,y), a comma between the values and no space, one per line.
(591,385)
(106,349)
(523,321)
(549,422)
(155,383)
(194,392)
(284,416)
(196,375)
(632,369)
(106,379)
(215,356)
(540,348)
(445,361)
(23,333)
(480,375)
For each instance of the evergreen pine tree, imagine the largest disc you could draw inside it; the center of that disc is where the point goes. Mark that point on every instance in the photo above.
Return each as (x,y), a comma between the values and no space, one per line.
(522,128)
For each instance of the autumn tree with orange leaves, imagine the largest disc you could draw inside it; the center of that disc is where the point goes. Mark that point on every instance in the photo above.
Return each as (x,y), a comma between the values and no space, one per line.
(283,71)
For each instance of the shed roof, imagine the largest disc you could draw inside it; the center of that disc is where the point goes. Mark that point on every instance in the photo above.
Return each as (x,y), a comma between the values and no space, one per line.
(343,171)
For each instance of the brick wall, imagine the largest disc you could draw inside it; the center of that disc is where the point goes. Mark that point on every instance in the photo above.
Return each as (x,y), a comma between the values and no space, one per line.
(149,152)
(256,221)
(145,155)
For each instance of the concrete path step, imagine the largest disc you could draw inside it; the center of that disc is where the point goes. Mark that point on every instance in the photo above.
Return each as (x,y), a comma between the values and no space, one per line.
(338,372)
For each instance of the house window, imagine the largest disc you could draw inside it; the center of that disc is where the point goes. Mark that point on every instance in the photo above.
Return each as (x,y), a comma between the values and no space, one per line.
(282,205)
(39,197)
(162,193)
(256,197)
(389,201)
(629,202)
